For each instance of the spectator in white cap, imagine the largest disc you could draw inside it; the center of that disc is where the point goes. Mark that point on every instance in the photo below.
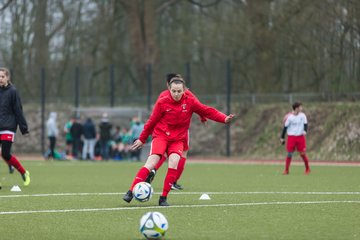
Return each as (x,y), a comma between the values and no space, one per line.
(52,133)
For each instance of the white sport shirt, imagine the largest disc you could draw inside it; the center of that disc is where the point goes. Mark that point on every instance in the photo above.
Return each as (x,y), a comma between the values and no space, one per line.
(295,124)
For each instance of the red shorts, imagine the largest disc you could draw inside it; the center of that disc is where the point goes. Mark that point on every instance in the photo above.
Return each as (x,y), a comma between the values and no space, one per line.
(186,143)
(296,142)
(160,146)
(7,137)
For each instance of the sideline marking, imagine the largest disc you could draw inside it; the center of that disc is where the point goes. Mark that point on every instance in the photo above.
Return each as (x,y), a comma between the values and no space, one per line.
(179,193)
(175,206)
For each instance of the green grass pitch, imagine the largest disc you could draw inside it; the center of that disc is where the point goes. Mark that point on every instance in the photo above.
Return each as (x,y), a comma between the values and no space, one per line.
(82,200)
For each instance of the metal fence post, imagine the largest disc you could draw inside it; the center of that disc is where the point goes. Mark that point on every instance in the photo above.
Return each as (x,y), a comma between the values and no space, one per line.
(112,85)
(149,85)
(42,101)
(253,99)
(228,106)
(77,89)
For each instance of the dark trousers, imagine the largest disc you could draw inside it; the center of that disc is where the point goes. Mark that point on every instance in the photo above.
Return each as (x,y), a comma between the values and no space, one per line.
(76,147)
(52,146)
(104,149)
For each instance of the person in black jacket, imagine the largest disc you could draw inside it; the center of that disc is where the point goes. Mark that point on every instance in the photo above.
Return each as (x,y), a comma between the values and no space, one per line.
(11,116)
(89,139)
(76,131)
(105,136)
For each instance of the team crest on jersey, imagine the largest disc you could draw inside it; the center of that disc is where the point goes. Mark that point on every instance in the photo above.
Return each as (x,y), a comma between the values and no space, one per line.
(184,107)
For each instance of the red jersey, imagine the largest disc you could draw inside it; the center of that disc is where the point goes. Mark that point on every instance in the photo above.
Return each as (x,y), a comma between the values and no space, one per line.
(166,92)
(171,119)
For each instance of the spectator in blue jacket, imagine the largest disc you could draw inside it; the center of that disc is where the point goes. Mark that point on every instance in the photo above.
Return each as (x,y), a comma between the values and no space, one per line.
(89,132)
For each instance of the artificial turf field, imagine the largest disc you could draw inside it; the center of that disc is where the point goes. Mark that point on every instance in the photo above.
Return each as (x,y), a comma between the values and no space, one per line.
(82,200)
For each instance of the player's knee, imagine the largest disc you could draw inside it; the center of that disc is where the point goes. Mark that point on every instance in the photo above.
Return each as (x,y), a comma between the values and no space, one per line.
(152,161)
(174,160)
(174,157)
(290,154)
(302,154)
(149,166)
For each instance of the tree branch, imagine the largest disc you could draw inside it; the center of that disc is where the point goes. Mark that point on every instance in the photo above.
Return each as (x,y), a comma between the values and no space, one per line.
(62,23)
(165,5)
(205,5)
(5,5)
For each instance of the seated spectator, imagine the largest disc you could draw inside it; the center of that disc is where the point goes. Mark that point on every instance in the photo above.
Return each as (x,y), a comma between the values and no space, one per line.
(125,143)
(135,131)
(116,139)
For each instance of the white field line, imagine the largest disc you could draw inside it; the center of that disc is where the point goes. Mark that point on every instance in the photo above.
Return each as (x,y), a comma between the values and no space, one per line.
(176,206)
(180,193)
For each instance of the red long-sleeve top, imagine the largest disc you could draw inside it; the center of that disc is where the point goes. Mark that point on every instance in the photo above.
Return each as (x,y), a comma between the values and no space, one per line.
(171,119)
(166,92)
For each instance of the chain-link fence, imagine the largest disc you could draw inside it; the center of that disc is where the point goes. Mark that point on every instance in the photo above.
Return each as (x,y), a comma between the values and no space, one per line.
(85,87)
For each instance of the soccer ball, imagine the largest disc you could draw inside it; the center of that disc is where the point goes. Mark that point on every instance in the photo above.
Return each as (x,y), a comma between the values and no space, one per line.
(143,191)
(153,225)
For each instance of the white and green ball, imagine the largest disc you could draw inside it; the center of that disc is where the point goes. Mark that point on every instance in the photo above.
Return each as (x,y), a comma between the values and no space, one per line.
(153,225)
(143,191)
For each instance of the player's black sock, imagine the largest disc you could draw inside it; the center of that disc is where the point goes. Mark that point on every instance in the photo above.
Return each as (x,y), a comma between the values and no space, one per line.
(151,176)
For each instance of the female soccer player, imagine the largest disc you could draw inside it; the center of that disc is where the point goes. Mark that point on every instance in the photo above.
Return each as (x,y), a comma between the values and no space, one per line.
(169,124)
(182,160)
(296,127)
(11,115)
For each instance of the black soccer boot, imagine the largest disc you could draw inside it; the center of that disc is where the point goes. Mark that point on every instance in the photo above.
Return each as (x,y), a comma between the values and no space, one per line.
(163,202)
(176,186)
(151,176)
(11,169)
(128,196)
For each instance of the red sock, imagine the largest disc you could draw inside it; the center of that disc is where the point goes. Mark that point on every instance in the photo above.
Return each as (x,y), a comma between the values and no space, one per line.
(180,167)
(7,163)
(140,176)
(169,180)
(306,161)
(287,163)
(160,163)
(14,162)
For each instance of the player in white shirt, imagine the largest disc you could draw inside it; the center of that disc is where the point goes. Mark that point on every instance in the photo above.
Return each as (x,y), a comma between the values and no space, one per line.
(295,126)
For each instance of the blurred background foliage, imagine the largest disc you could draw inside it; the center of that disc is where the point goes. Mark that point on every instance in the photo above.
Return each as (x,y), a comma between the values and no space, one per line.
(275,46)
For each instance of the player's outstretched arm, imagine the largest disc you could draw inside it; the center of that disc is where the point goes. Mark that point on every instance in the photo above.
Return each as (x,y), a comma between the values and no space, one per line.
(229,118)
(202,117)
(211,113)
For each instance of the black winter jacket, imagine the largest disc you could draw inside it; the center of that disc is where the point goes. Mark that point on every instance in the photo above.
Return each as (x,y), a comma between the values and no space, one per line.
(89,130)
(76,130)
(105,131)
(11,113)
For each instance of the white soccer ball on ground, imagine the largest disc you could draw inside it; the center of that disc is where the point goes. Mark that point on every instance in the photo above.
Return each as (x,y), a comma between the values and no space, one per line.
(153,225)
(143,191)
